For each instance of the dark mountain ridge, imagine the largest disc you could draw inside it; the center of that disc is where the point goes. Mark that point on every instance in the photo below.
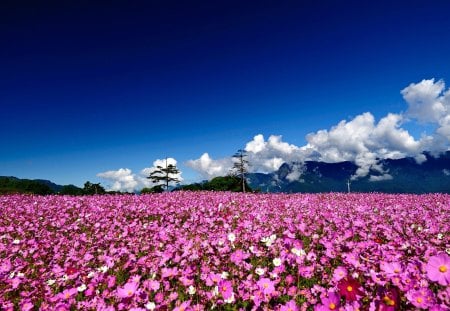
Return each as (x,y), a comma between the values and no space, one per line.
(404,175)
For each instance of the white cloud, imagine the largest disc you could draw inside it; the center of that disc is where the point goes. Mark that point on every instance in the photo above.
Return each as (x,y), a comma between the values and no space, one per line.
(380,177)
(124,179)
(362,139)
(429,102)
(426,100)
(210,168)
(446,172)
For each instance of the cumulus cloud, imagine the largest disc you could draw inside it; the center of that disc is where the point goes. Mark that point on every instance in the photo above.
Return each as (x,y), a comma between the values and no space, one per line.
(362,140)
(124,179)
(429,102)
(210,168)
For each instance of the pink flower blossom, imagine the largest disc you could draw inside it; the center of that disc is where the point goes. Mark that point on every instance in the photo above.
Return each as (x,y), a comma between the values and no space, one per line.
(289,306)
(128,290)
(438,269)
(266,286)
(225,289)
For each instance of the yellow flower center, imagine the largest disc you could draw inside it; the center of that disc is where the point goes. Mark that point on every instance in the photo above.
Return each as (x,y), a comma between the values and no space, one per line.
(387,300)
(265,285)
(130,293)
(332,306)
(349,288)
(419,300)
(443,269)
(396,271)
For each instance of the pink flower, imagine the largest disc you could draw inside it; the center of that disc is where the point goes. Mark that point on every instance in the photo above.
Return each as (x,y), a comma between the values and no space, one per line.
(422,298)
(68,293)
(26,306)
(438,269)
(331,302)
(153,285)
(5,266)
(339,273)
(184,306)
(128,290)
(237,257)
(391,268)
(289,306)
(266,286)
(225,289)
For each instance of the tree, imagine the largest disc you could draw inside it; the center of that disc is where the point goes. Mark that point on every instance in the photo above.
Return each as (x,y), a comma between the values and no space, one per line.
(155,189)
(240,166)
(165,174)
(71,190)
(90,188)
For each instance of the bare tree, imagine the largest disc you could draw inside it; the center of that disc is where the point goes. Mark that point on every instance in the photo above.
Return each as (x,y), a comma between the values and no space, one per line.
(240,166)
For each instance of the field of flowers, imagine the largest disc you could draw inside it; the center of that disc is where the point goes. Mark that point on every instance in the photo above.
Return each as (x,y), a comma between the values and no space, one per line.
(225,251)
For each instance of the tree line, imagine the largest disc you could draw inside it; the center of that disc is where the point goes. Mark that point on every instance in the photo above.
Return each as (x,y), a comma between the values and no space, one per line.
(164,177)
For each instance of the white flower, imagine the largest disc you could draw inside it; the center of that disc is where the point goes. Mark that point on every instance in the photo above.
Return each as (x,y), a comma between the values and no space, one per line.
(64,277)
(16,241)
(20,274)
(224,275)
(215,291)
(12,274)
(440,236)
(150,305)
(191,290)
(276,262)
(259,271)
(231,299)
(298,251)
(103,269)
(50,282)
(82,288)
(447,251)
(231,237)
(91,274)
(273,237)
(220,242)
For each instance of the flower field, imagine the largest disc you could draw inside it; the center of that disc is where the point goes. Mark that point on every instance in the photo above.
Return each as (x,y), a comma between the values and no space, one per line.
(225,251)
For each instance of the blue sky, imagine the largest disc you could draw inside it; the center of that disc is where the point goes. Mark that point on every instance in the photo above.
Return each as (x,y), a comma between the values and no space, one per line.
(89,88)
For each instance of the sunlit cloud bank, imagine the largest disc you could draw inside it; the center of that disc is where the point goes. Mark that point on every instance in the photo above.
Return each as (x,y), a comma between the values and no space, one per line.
(124,179)
(362,140)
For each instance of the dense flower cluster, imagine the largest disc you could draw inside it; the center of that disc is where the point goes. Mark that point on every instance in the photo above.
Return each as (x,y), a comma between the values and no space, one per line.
(198,251)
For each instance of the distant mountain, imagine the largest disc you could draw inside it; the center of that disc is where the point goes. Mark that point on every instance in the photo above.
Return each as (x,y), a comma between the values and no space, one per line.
(404,176)
(11,184)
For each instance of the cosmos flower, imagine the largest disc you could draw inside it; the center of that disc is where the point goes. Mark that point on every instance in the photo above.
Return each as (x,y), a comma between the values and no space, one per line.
(225,289)
(438,269)
(331,302)
(350,289)
(128,290)
(289,306)
(390,299)
(266,286)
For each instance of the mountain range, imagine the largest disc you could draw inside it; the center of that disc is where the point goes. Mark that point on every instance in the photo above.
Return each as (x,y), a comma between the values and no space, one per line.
(404,175)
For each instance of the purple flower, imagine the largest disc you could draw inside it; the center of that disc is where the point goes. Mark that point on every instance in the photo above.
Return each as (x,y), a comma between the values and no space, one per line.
(266,286)
(331,302)
(226,289)
(128,290)
(438,269)
(289,306)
